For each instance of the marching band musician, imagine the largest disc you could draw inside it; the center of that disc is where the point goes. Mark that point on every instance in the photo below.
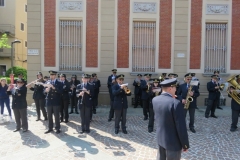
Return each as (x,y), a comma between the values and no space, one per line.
(53,93)
(73,84)
(64,99)
(92,85)
(154,91)
(137,90)
(183,92)
(235,108)
(110,83)
(194,78)
(84,93)
(19,104)
(213,97)
(219,79)
(145,97)
(39,97)
(97,83)
(120,103)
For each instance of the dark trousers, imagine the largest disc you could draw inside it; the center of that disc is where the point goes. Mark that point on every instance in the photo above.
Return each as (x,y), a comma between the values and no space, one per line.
(191,111)
(120,115)
(95,101)
(64,109)
(21,118)
(145,104)
(111,112)
(164,154)
(40,103)
(211,106)
(53,110)
(74,103)
(85,117)
(151,118)
(7,102)
(137,100)
(235,114)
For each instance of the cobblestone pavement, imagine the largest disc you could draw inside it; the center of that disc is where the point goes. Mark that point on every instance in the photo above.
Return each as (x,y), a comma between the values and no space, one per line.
(212,139)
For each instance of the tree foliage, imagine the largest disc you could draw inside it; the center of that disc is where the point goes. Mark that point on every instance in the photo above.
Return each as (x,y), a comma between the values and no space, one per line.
(16,71)
(4,41)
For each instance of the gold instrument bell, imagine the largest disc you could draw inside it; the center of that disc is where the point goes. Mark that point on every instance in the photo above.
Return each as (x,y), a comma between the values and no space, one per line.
(127,91)
(235,94)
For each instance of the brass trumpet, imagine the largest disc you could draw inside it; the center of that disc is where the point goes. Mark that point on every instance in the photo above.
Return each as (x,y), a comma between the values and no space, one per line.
(127,90)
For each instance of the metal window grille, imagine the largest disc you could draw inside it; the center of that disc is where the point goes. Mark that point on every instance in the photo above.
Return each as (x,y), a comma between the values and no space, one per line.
(70,45)
(143,46)
(216,48)
(2,3)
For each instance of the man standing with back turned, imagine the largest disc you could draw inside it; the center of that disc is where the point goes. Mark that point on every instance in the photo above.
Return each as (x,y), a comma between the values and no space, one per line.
(172,136)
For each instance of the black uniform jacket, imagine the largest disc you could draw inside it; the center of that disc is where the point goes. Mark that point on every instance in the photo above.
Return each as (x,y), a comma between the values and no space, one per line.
(109,83)
(66,89)
(54,95)
(171,126)
(137,89)
(144,88)
(213,93)
(153,94)
(75,83)
(87,100)
(97,85)
(183,92)
(38,91)
(120,97)
(19,98)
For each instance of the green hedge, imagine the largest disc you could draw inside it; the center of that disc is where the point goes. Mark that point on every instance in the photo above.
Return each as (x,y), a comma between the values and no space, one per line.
(16,71)
(8,79)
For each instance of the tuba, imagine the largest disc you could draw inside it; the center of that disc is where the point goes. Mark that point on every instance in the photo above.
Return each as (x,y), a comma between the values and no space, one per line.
(236,93)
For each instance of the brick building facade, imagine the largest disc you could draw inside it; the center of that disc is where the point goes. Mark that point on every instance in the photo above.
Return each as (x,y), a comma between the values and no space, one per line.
(134,36)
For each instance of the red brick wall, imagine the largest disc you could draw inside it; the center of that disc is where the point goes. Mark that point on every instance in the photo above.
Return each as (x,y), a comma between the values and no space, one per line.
(164,60)
(92,34)
(123,34)
(195,34)
(49,33)
(235,56)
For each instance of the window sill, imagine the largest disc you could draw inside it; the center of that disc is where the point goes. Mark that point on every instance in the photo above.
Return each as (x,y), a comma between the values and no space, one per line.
(142,73)
(221,75)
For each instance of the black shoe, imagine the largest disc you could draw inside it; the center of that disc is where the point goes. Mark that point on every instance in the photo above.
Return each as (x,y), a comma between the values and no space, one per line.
(125,131)
(150,130)
(48,131)
(61,120)
(94,112)
(196,107)
(116,131)
(233,129)
(193,130)
(58,131)
(70,112)
(135,107)
(16,130)
(81,132)
(206,116)
(66,121)
(25,130)
(76,112)
(145,118)
(109,119)
(87,131)
(213,116)
(219,108)
(45,119)
(38,119)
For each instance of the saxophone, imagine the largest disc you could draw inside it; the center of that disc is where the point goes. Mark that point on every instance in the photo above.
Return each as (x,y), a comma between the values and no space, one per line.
(189,99)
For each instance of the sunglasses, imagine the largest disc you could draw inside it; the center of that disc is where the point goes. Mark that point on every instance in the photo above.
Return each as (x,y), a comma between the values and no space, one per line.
(189,79)
(19,82)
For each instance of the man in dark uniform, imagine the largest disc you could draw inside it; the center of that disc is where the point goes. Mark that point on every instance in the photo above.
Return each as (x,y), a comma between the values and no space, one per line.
(97,85)
(213,97)
(219,79)
(19,104)
(154,91)
(145,85)
(92,87)
(64,99)
(110,83)
(120,104)
(53,93)
(172,136)
(39,97)
(84,92)
(235,106)
(73,84)
(163,77)
(183,92)
(137,90)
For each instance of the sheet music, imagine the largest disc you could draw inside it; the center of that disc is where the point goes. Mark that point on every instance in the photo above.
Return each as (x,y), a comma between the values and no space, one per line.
(194,83)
